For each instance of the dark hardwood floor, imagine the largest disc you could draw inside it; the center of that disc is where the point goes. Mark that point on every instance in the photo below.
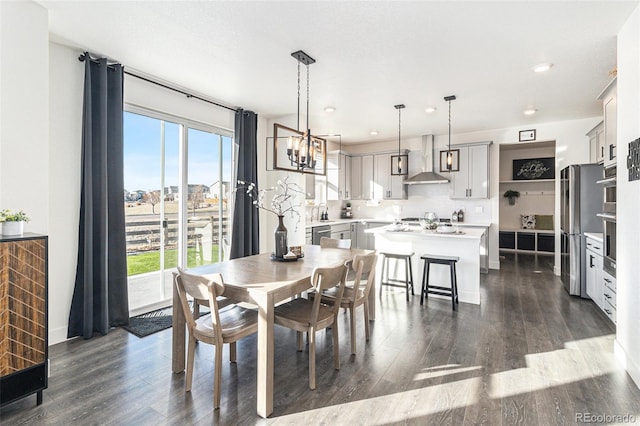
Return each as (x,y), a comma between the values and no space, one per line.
(529,354)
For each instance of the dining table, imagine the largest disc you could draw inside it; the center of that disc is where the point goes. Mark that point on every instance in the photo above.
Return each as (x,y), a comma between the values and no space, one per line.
(262,281)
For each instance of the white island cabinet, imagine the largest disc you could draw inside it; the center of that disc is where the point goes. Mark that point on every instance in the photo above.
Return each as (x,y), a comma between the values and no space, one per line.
(465,245)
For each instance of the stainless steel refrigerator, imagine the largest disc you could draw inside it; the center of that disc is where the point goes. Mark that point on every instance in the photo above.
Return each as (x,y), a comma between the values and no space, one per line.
(580,200)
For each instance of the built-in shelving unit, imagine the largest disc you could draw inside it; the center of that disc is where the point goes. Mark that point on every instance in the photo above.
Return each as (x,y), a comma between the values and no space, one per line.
(537,197)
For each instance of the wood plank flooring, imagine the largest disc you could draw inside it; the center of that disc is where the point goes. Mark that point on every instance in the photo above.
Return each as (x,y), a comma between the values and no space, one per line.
(529,354)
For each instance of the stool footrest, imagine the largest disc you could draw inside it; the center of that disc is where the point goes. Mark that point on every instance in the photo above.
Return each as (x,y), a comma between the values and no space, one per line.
(441,293)
(429,287)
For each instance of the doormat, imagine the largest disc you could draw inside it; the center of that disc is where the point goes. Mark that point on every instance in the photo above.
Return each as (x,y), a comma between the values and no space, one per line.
(152,322)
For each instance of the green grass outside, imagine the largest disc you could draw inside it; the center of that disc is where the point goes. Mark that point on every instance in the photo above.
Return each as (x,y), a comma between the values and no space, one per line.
(141,263)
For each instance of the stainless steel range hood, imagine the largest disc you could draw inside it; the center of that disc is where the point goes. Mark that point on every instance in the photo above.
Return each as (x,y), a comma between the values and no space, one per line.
(427,176)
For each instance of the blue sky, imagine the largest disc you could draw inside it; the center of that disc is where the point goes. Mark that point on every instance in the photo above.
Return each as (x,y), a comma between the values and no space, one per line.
(142,151)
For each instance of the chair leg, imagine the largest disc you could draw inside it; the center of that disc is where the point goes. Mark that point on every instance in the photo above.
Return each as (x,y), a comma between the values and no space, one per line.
(299,340)
(336,343)
(312,359)
(191,349)
(352,323)
(367,331)
(217,380)
(232,352)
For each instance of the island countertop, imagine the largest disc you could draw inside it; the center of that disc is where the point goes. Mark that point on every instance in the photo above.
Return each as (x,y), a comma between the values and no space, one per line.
(418,232)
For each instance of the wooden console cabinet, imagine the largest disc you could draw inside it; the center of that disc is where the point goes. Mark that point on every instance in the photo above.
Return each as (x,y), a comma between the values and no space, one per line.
(23,317)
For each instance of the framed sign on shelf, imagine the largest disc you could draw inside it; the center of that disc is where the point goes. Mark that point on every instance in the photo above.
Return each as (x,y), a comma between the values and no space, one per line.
(534,168)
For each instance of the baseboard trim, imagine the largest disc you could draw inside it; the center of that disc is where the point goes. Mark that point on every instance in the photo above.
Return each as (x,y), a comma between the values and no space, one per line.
(627,362)
(494,264)
(556,270)
(57,335)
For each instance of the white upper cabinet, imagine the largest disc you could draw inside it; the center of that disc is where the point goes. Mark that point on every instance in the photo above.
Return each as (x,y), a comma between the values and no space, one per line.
(368,183)
(356,178)
(338,176)
(596,144)
(387,186)
(472,181)
(610,110)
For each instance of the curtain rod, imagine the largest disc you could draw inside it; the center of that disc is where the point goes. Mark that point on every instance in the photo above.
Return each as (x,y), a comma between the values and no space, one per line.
(84,56)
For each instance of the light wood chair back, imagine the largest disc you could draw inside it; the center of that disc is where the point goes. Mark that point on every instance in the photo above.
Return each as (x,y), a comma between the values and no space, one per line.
(326,242)
(364,267)
(324,279)
(200,287)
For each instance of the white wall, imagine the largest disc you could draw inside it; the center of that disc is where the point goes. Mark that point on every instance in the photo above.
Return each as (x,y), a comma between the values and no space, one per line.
(24,108)
(65,134)
(627,346)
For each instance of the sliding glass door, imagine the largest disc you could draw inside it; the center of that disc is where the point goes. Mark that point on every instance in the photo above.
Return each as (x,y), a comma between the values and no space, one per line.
(177,179)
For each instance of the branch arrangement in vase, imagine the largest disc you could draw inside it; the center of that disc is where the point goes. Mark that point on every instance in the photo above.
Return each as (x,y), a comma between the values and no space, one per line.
(283,202)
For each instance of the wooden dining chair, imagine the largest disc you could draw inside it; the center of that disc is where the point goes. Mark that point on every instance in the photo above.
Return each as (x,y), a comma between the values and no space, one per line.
(357,294)
(303,315)
(215,328)
(326,242)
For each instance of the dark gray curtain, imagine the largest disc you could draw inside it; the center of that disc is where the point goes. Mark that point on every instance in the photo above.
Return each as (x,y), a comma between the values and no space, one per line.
(245,240)
(100,298)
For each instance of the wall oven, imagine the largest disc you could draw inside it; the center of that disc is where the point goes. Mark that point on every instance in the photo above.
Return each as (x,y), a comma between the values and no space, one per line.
(609,260)
(608,216)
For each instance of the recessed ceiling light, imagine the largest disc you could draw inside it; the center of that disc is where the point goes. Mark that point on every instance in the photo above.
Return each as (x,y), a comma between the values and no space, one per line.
(329,109)
(542,67)
(373,133)
(529,111)
(430,109)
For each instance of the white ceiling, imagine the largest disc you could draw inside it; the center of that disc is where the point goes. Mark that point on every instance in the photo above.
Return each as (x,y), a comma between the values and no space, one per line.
(370,56)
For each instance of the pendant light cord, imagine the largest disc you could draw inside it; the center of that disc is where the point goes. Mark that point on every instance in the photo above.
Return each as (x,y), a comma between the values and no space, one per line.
(298,121)
(449,153)
(399,119)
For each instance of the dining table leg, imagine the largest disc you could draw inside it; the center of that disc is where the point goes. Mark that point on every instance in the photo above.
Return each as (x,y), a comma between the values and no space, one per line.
(178,334)
(264,380)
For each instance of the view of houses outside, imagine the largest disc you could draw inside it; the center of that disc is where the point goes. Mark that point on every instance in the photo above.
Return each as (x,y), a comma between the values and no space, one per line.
(153,198)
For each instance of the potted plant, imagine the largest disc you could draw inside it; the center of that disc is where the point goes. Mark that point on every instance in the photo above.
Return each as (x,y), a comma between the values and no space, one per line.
(13,223)
(511,195)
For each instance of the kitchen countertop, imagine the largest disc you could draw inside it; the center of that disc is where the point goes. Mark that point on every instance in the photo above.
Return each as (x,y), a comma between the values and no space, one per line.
(416,231)
(595,236)
(341,221)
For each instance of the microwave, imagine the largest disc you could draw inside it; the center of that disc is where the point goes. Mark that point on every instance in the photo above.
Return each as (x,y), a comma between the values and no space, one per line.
(609,190)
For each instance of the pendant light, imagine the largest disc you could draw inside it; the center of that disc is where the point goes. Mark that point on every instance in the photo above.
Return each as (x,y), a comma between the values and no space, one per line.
(400,162)
(452,161)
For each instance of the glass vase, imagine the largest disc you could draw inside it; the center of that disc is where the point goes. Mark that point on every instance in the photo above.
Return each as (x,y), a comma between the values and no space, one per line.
(280,234)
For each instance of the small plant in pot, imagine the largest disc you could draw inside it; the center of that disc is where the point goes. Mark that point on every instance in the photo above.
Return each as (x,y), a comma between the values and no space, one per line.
(511,195)
(13,223)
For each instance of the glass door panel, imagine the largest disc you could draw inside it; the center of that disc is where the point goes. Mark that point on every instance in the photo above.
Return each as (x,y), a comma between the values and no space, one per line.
(151,176)
(209,177)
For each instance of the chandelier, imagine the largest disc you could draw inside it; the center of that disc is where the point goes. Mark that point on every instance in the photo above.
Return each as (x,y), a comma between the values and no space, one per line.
(304,151)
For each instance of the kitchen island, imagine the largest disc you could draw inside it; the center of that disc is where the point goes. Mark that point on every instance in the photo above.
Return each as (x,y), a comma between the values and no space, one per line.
(465,245)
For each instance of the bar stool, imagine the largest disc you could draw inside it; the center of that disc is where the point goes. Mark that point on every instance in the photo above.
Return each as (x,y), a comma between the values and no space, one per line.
(394,282)
(433,289)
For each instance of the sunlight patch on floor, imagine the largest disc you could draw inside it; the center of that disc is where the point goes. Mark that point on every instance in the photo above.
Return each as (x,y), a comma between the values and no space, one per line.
(394,407)
(440,371)
(555,368)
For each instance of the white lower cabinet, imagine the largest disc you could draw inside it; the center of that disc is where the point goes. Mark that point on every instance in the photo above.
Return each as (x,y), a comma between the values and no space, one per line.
(609,295)
(601,286)
(594,277)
